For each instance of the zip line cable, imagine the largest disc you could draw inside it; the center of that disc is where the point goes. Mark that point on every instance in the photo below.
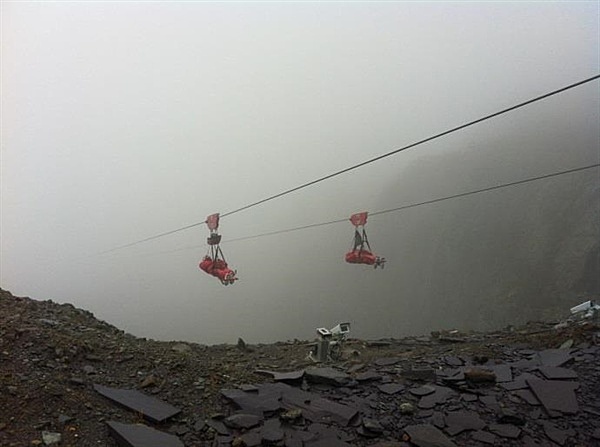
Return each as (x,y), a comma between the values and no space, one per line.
(409,146)
(364,163)
(427,202)
(392,210)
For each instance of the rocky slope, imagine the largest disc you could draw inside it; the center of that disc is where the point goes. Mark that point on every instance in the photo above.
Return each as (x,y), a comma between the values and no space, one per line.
(508,388)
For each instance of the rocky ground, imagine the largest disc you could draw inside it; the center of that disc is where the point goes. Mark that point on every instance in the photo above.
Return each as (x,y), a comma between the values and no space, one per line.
(538,385)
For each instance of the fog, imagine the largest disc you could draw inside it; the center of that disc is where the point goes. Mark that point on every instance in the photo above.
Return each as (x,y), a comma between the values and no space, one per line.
(121,121)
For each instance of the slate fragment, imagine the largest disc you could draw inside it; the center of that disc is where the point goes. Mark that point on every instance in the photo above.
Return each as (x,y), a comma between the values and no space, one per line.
(218,426)
(288,377)
(528,397)
(440,395)
(490,402)
(555,395)
(503,373)
(554,433)
(271,431)
(484,436)
(469,397)
(459,421)
(421,391)
(370,428)
(368,376)
(265,400)
(505,430)
(151,408)
(508,416)
(479,375)
(452,374)
(425,435)
(419,374)
(453,361)
(327,442)
(438,419)
(519,383)
(251,439)
(139,435)
(391,388)
(387,361)
(242,420)
(329,376)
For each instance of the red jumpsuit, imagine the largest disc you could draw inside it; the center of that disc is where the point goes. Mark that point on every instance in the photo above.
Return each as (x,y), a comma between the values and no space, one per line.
(219,269)
(361,257)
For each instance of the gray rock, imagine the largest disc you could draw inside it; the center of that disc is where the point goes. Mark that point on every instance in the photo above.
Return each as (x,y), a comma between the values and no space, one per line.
(182,348)
(50,438)
(89,369)
(242,420)
(406,408)
(48,322)
(63,419)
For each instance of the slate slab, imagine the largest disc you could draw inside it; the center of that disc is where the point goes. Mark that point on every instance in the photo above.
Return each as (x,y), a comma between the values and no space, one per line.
(425,435)
(291,376)
(555,395)
(139,435)
(557,373)
(503,373)
(149,407)
(554,357)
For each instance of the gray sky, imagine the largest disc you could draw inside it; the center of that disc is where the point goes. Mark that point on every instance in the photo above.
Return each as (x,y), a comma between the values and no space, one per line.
(121,120)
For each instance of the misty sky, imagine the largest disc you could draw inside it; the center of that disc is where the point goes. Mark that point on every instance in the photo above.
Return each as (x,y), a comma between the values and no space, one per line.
(121,120)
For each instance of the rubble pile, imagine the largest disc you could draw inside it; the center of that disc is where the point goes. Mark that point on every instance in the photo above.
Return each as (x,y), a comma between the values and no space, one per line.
(68,379)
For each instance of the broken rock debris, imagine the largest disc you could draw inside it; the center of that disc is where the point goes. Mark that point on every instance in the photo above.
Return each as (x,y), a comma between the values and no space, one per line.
(504,388)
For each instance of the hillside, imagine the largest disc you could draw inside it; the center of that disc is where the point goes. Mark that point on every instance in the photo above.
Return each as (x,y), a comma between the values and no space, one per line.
(509,387)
